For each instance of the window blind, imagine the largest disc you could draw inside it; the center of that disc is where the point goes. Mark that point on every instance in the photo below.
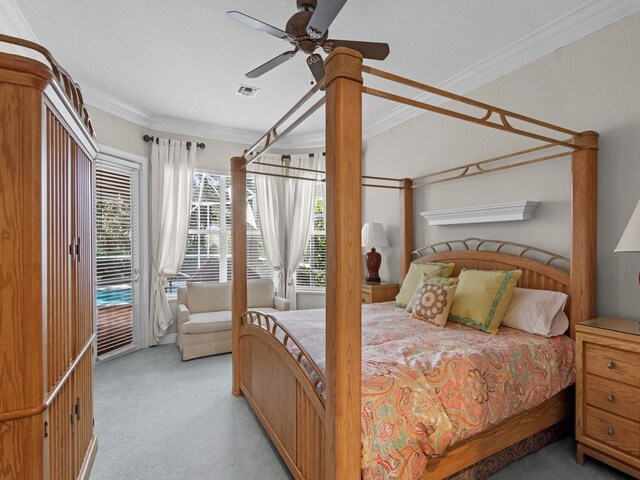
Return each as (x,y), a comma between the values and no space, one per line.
(312,272)
(209,253)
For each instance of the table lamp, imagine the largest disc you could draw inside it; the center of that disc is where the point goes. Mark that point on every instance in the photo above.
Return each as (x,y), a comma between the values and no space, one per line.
(373,236)
(630,240)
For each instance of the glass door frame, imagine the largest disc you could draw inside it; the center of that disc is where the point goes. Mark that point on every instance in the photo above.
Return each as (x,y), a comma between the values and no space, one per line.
(140,297)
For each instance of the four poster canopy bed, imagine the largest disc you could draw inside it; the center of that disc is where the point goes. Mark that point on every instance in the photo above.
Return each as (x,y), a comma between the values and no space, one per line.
(317,380)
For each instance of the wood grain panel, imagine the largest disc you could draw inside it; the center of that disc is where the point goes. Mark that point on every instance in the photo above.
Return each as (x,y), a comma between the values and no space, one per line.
(344,220)
(82,229)
(239,278)
(613,430)
(406,226)
(60,444)
(612,363)
(274,391)
(612,396)
(21,344)
(584,230)
(59,311)
(309,438)
(21,454)
(83,398)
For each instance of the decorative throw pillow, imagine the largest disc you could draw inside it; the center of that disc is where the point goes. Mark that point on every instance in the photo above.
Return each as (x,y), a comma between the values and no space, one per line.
(444,281)
(540,312)
(482,298)
(414,275)
(431,303)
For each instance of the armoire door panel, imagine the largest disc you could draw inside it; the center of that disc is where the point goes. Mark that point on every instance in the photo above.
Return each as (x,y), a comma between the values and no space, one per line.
(82,266)
(59,251)
(61,429)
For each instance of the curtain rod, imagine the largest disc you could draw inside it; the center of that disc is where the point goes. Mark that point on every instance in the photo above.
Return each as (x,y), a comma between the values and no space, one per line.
(288,157)
(149,138)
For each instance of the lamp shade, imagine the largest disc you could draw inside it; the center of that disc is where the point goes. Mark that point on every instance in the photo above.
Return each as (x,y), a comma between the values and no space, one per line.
(373,235)
(630,240)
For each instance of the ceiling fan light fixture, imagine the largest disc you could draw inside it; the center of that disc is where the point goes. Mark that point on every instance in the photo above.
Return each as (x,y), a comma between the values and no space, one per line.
(247,91)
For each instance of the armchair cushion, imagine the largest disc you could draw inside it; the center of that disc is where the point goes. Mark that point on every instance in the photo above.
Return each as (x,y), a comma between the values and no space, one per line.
(208,297)
(260,293)
(207,322)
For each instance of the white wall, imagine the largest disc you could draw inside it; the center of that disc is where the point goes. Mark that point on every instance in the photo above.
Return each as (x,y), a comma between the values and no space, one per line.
(127,136)
(593,84)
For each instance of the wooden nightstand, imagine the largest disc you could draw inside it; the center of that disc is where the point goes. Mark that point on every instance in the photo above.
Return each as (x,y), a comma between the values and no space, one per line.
(608,392)
(379,292)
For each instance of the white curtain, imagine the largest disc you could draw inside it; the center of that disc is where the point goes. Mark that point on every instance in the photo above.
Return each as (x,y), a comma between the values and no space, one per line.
(285,207)
(171,183)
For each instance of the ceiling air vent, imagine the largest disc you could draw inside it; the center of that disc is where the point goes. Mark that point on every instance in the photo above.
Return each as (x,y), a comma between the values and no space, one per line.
(247,91)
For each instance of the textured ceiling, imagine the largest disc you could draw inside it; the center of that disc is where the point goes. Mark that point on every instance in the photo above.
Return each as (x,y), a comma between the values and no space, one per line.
(184,59)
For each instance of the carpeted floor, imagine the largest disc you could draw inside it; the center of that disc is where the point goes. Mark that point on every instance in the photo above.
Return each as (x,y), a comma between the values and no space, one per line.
(160,418)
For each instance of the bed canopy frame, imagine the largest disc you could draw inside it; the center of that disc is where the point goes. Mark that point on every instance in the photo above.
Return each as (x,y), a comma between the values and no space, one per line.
(324,440)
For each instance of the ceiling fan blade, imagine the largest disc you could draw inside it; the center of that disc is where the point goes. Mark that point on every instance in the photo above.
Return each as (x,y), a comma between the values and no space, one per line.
(316,65)
(259,25)
(325,13)
(273,63)
(372,50)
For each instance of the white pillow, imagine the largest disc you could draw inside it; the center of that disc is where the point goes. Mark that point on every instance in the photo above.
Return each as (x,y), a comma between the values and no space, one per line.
(540,312)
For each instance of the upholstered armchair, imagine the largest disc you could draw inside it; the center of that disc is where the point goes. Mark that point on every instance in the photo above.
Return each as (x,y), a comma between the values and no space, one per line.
(204,315)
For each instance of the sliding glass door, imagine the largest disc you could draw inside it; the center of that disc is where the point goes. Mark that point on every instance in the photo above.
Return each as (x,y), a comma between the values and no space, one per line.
(118,284)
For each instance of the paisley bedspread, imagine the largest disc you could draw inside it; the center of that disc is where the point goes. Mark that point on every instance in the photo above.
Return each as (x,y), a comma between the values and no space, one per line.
(425,388)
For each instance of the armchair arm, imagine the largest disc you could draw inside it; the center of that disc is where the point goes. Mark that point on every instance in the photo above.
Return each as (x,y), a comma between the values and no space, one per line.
(183,314)
(281,304)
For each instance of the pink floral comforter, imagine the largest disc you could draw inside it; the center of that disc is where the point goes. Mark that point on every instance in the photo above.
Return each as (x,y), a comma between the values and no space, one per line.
(425,388)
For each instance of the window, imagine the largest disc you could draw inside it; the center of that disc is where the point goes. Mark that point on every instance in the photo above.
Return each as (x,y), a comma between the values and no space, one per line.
(312,272)
(208,255)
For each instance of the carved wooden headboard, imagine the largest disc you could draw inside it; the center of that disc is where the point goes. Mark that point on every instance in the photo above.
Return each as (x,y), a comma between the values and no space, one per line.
(540,269)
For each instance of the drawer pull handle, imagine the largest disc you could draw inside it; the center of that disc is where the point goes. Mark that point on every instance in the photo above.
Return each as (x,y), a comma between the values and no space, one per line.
(610,365)
(610,397)
(610,431)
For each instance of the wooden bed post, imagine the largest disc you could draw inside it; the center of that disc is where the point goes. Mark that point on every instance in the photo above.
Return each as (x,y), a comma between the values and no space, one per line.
(344,278)
(239,277)
(406,226)
(584,223)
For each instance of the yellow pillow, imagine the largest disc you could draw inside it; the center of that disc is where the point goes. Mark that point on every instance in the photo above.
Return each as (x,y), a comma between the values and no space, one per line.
(414,275)
(431,303)
(482,298)
(445,282)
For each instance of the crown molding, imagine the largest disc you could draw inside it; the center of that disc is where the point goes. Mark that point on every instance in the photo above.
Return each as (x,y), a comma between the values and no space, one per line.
(12,21)
(573,26)
(576,24)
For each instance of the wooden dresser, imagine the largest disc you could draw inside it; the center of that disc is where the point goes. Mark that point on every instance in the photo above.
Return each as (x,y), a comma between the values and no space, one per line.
(46,273)
(608,392)
(375,292)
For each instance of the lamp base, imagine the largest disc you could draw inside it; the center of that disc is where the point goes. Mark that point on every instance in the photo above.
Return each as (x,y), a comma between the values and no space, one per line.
(374,259)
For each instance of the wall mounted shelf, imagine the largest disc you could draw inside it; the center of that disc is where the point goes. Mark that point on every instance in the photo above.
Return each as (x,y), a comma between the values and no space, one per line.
(499,212)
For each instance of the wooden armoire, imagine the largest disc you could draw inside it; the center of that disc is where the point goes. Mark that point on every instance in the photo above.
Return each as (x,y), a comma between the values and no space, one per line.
(46,271)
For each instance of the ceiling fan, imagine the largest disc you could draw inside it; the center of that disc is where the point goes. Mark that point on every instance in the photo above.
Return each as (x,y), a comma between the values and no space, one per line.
(307,30)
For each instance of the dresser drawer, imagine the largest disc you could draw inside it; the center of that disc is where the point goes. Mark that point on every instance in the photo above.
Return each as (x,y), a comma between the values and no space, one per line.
(613,396)
(366,297)
(614,364)
(613,430)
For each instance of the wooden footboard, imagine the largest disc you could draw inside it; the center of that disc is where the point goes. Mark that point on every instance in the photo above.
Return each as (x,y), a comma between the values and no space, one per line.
(276,378)
(284,387)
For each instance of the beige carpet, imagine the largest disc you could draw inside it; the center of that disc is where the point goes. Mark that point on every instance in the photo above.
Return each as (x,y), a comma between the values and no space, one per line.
(159,418)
